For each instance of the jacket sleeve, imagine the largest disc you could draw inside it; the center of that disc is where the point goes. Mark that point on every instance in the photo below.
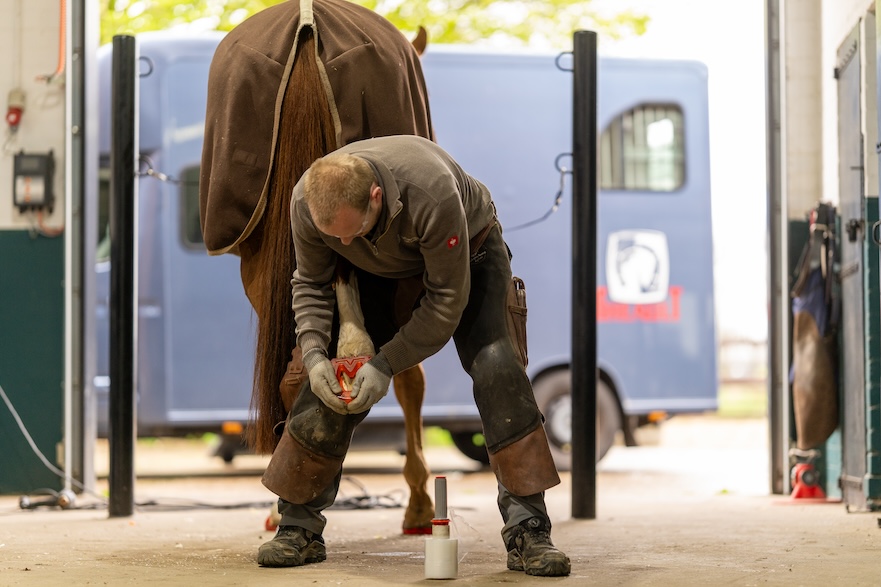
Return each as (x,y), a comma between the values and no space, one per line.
(312,292)
(447,279)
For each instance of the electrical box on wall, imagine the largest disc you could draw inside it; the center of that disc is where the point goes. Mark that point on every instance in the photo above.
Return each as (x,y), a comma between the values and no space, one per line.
(33,178)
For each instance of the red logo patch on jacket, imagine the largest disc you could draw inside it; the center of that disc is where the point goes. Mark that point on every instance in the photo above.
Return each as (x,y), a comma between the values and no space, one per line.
(452,242)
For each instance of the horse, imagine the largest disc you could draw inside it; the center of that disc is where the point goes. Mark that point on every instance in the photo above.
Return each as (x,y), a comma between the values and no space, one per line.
(313,81)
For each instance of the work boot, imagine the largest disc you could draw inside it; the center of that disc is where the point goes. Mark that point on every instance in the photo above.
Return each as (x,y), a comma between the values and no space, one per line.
(530,550)
(292,546)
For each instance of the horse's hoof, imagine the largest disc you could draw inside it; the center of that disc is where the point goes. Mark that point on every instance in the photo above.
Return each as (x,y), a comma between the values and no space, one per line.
(273,519)
(270,525)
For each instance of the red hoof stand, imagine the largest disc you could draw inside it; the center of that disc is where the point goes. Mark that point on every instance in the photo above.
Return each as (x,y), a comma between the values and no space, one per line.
(417,530)
(805,482)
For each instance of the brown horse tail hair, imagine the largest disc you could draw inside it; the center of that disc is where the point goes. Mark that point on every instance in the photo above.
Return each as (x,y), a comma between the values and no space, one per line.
(306,132)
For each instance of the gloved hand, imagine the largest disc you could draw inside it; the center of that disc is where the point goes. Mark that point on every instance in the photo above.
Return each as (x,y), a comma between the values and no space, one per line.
(371,384)
(322,380)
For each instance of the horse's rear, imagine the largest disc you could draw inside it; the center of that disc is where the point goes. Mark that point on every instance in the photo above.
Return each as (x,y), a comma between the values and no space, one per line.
(273,108)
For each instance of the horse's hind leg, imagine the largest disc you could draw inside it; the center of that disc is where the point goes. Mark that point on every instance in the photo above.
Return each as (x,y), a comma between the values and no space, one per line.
(410,391)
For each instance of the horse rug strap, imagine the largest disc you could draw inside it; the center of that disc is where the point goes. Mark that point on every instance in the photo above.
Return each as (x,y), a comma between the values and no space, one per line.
(307,17)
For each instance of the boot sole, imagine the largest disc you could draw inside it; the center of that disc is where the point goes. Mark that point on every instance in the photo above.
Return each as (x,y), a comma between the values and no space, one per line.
(553,568)
(313,553)
(550,569)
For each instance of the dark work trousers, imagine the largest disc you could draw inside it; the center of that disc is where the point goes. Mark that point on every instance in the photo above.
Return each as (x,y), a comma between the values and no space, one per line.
(502,390)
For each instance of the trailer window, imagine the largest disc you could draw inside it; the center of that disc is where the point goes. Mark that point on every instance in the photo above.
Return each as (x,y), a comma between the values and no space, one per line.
(191,229)
(643,149)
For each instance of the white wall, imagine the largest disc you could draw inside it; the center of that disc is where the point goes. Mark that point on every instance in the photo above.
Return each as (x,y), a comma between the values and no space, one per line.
(839,18)
(802,108)
(29,42)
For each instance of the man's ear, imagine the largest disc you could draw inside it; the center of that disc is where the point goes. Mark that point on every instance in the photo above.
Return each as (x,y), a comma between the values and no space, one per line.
(376,193)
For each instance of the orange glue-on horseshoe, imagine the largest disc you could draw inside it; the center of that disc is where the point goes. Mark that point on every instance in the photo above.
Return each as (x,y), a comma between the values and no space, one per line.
(347,367)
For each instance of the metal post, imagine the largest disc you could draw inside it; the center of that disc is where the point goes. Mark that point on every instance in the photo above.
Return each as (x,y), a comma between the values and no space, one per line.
(123,293)
(778,290)
(584,253)
(81,164)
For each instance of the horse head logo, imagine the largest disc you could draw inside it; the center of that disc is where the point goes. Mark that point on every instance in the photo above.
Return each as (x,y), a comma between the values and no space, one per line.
(637,267)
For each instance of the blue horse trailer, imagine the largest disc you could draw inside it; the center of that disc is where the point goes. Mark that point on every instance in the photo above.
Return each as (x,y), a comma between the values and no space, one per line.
(507,118)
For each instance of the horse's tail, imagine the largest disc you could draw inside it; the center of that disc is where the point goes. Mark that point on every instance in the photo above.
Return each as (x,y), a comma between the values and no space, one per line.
(306,132)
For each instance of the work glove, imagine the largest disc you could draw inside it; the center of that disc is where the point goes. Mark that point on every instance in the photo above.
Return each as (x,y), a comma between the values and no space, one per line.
(323,381)
(371,384)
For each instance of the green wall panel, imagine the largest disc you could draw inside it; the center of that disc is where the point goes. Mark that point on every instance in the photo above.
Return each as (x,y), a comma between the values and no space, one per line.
(872,315)
(31,358)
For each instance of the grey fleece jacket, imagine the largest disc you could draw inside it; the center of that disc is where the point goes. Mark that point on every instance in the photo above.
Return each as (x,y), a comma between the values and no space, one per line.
(431,209)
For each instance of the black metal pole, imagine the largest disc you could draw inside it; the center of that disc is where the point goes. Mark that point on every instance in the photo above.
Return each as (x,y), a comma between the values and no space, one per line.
(123,152)
(584,254)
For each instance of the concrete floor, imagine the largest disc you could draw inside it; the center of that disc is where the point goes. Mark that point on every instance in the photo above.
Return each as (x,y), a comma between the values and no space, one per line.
(690,508)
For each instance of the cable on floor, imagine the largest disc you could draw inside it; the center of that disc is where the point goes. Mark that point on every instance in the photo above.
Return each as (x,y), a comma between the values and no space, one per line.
(66,500)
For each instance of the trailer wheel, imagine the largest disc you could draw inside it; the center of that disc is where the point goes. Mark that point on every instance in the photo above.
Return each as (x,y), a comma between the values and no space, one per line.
(230,445)
(553,395)
(472,445)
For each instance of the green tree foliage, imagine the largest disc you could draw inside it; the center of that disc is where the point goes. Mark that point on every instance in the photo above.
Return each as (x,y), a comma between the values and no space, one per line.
(547,23)
(128,17)
(510,22)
